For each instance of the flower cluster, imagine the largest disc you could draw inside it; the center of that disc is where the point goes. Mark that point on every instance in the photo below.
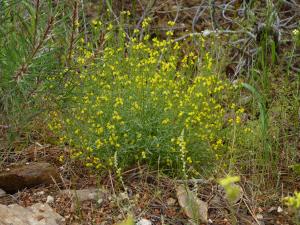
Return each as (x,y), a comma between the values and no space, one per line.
(293,201)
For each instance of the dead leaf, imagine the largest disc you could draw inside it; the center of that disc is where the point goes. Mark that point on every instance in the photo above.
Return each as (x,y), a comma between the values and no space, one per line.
(171,201)
(193,207)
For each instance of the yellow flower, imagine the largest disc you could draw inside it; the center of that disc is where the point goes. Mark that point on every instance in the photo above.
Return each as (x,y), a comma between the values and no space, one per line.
(116,116)
(165,121)
(61,158)
(241,110)
(171,23)
(143,154)
(98,166)
(89,164)
(110,27)
(296,32)
(146,22)
(238,119)
(98,143)
(119,102)
(76,23)
(169,33)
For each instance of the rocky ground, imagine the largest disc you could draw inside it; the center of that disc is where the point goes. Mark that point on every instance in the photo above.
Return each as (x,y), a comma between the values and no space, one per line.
(48,191)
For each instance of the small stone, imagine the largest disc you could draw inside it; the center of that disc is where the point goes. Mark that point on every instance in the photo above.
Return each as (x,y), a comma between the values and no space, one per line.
(123,196)
(171,201)
(210,221)
(144,222)
(100,200)
(50,199)
(40,193)
(2,193)
(120,216)
(206,33)
(279,209)
(272,209)
(259,216)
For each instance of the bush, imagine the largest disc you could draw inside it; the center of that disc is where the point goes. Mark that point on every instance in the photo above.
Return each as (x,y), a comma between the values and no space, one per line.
(141,102)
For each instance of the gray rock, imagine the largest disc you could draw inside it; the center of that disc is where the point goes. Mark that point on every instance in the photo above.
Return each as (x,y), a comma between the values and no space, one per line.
(90,194)
(27,176)
(2,193)
(37,214)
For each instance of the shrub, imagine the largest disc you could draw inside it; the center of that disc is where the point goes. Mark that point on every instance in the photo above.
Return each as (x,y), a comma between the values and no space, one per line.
(141,102)
(30,49)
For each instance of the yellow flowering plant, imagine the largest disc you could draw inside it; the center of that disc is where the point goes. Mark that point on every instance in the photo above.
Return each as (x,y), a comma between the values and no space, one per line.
(293,202)
(132,102)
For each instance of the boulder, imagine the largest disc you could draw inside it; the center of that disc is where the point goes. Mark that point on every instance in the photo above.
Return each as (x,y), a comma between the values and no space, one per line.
(37,214)
(27,176)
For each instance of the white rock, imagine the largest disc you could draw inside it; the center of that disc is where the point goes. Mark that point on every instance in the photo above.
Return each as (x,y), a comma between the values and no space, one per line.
(50,199)
(37,214)
(279,209)
(205,33)
(40,193)
(144,222)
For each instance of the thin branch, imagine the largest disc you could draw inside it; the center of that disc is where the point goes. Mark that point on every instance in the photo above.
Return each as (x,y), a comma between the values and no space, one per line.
(217,32)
